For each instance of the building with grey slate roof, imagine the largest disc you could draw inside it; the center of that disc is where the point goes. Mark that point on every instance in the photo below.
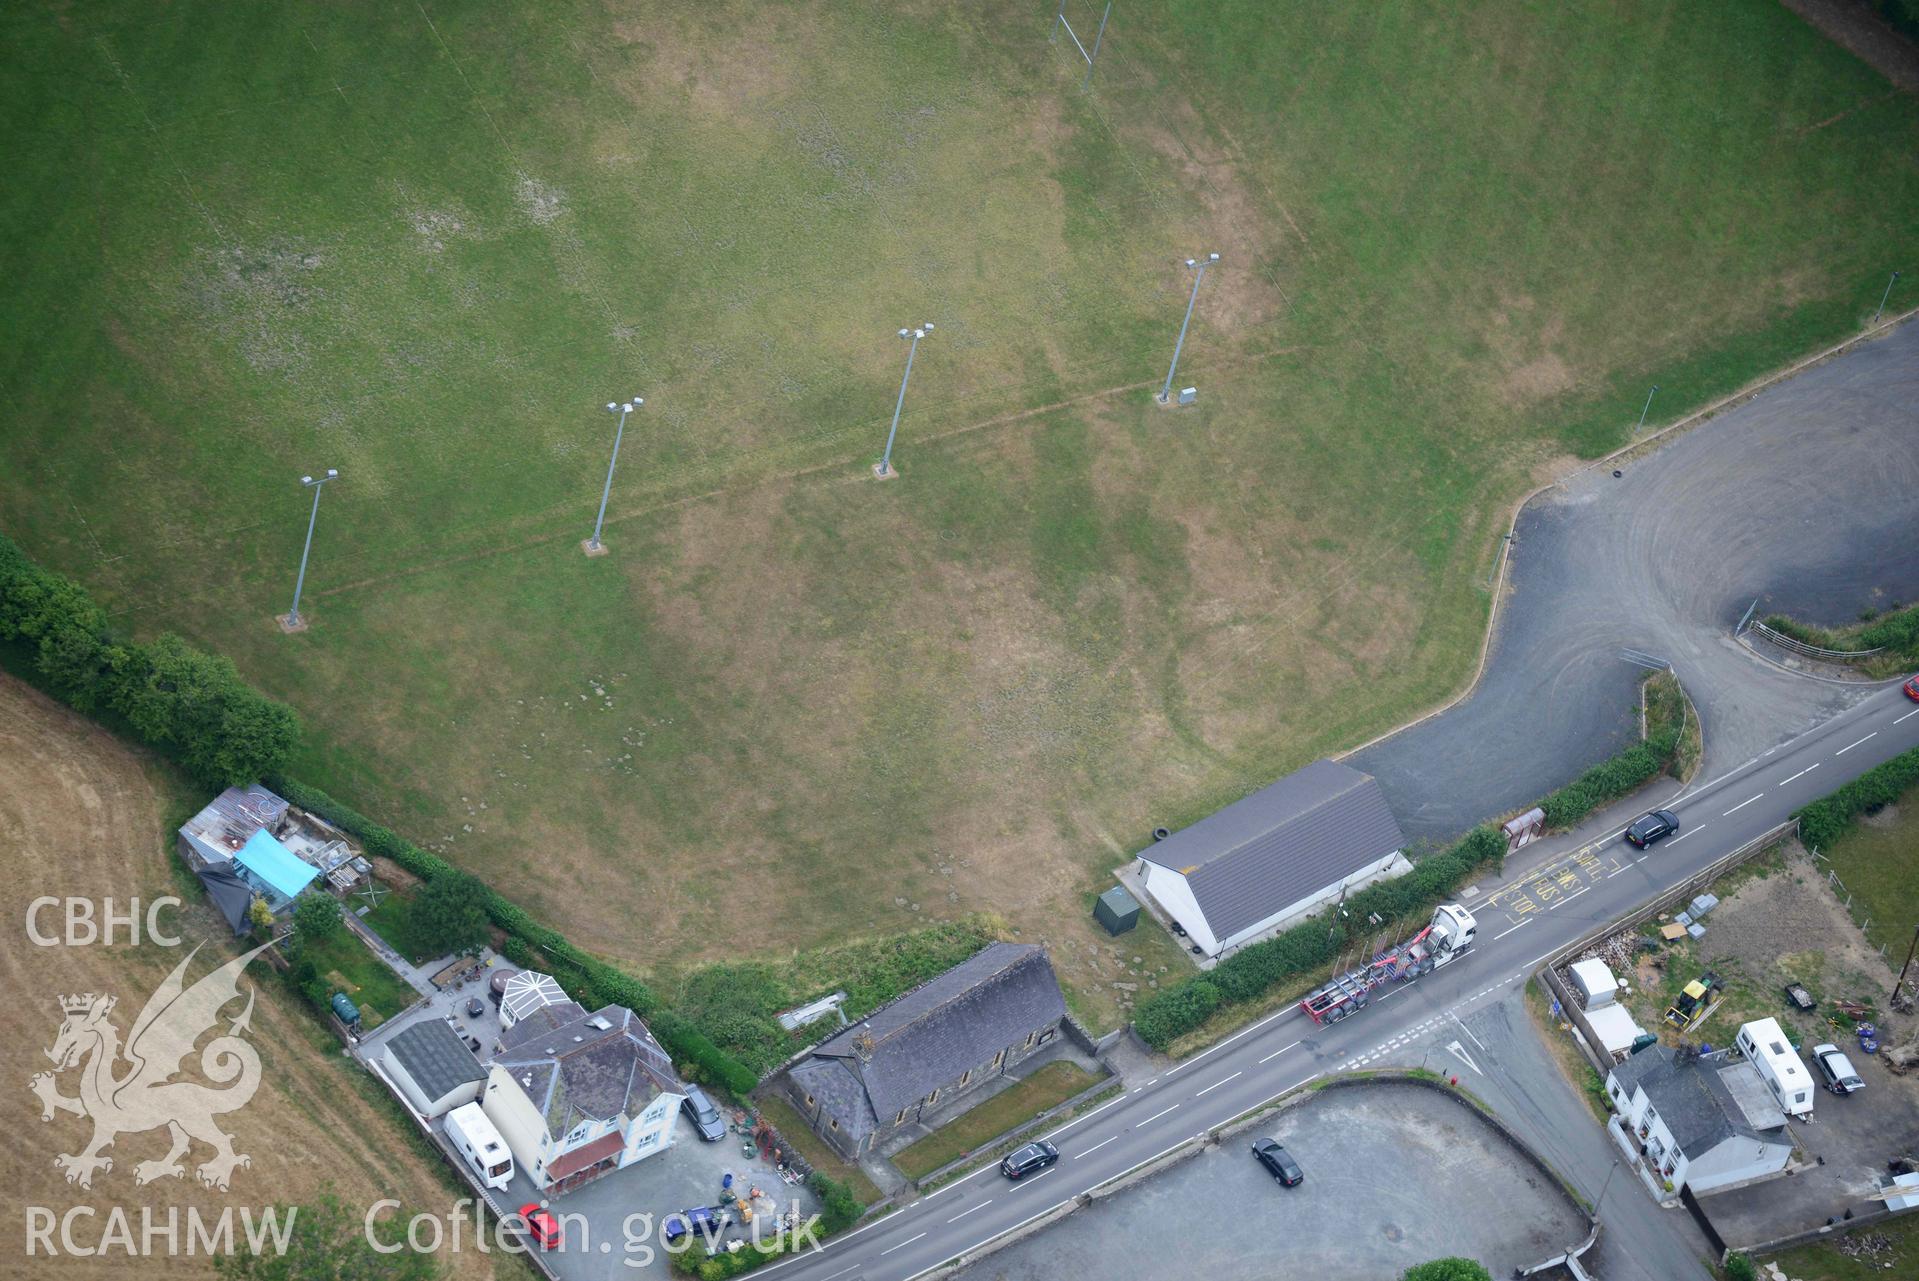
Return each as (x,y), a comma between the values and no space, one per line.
(937,1043)
(433,1068)
(577,1094)
(1272,858)
(1699,1122)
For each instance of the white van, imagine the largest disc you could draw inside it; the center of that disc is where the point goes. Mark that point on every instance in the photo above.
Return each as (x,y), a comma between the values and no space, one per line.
(1765,1046)
(480,1144)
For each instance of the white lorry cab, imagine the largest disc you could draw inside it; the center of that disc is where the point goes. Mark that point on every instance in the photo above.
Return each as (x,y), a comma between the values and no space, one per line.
(1765,1046)
(473,1134)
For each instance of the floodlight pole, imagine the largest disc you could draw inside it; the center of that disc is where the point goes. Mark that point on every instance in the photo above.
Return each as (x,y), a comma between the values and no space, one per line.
(1166,392)
(593,547)
(1647,407)
(884,469)
(1093,57)
(1884,296)
(313,483)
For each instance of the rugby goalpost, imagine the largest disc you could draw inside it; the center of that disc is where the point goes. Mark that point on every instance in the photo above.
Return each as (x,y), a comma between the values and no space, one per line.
(1061,22)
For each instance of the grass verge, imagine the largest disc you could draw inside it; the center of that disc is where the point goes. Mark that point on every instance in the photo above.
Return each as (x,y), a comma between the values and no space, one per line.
(1895,634)
(794,1129)
(1670,717)
(1052,1085)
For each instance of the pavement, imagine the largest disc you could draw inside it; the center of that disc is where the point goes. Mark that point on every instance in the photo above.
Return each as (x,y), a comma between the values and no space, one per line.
(1286,1049)
(1804,498)
(1395,1175)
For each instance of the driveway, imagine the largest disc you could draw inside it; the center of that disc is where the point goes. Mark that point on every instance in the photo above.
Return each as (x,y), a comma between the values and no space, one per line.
(1806,498)
(1395,1175)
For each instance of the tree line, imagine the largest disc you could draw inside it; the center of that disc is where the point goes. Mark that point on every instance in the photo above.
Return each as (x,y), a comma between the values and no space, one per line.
(189,705)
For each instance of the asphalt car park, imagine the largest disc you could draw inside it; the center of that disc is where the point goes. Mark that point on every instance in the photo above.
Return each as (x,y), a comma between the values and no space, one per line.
(1395,1174)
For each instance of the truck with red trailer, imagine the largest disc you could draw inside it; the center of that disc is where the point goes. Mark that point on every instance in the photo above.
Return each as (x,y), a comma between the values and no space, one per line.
(1443,941)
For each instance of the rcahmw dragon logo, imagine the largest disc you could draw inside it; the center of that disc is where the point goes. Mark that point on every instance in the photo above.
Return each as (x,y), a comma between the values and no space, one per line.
(131,1090)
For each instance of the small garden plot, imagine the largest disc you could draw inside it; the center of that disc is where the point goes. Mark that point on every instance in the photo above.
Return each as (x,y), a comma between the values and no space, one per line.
(392,919)
(345,965)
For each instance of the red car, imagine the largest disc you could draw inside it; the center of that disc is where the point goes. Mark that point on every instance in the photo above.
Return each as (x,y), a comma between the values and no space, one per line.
(541,1226)
(1912,689)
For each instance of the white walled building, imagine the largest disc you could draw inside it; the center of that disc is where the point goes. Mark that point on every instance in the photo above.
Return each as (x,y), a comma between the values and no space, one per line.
(1696,1122)
(433,1067)
(577,1095)
(1274,857)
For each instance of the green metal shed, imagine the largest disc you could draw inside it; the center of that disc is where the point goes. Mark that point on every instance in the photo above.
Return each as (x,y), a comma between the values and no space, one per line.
(1117,910)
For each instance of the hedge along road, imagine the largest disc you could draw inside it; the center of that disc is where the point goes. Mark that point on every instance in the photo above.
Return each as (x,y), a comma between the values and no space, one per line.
(1285,1050)
(1804,497)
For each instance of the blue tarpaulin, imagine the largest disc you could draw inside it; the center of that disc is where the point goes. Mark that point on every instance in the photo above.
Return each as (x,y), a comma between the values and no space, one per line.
(275,864)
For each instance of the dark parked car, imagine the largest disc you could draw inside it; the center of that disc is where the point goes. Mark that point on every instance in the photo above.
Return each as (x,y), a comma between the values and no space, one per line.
(1837,1069)
(1656,826)
(1030,1159)
(475,1008)
(1278,1162)
(705,1220)
(705,1117)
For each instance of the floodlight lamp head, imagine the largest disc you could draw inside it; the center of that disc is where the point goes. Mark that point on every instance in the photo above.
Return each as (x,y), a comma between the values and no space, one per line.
(306,480)
(612,407)
(1212,257)
(928,326)
(626,409)
(1191,263)
(638,401)
(331,472)
(906,333)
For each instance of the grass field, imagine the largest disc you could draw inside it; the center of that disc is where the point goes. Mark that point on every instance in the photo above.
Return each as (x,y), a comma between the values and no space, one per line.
(424,244)
(99,816)
(1875,862)
(1825,1262)
(1053,1084)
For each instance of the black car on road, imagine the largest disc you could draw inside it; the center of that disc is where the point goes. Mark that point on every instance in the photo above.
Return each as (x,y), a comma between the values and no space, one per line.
(1278,1162)
(1656,826)
(1030,1159)
(705,1117)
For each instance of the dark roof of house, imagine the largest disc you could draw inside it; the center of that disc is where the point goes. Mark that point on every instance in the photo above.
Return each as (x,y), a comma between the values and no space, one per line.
(435,1057)
(542,1022)
(837,1088)
(1697,1107)
(902,1051)
(575,1070)
(1282,844)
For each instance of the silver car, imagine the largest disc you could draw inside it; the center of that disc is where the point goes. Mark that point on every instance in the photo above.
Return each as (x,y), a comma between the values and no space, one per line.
(1837,1069)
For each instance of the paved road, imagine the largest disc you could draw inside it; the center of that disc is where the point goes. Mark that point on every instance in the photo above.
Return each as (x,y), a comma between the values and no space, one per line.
(1805,497)
(1286,1049)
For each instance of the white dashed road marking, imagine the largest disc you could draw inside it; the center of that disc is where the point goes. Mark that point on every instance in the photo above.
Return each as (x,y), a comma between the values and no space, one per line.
(983,1204)
(1742,805)
(1849,746)
(902,1245)
(1801,774)
(1156,1116)
(1215,1085)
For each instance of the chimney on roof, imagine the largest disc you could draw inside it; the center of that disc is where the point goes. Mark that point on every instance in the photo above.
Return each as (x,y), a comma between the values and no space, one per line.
(864,1042)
